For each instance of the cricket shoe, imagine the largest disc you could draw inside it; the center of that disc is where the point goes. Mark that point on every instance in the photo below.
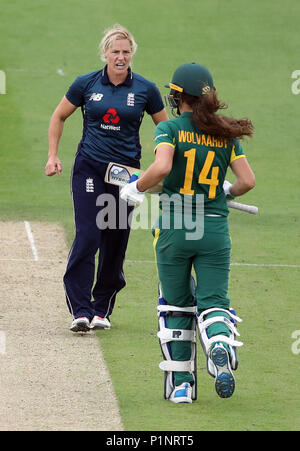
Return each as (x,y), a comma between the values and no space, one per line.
(81,324)
(224,382)
(98,323)
(182,393)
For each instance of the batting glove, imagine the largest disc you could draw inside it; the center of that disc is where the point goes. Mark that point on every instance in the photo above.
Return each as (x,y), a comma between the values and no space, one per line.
(130,193)
(226,188)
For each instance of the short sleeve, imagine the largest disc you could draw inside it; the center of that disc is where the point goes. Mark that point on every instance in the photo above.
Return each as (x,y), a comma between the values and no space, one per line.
(75,92)
(163,135)
(154,103)
(236,151)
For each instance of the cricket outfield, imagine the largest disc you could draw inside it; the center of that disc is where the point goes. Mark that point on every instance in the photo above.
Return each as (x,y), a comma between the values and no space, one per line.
(252,50)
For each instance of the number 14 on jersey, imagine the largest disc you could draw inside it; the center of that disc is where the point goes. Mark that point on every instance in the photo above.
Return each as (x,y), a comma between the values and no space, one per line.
(213,181)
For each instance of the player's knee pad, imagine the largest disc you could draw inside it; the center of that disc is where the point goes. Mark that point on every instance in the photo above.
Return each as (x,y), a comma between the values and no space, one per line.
(166,336)
(206,342)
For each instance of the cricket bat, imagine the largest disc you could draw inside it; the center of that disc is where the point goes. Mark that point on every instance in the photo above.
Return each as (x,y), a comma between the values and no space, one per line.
(243,207)
(119,174)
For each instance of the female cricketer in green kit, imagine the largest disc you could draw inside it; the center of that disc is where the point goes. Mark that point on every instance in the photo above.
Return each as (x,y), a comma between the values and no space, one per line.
(193,152)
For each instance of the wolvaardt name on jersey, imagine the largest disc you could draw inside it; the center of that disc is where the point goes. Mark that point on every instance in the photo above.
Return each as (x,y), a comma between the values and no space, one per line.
(201,139)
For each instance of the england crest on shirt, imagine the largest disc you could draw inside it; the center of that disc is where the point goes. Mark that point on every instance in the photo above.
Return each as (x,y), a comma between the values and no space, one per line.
(89,185)
(130,99)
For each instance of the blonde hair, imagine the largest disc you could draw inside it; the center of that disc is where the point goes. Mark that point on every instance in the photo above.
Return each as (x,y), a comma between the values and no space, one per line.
(117,31)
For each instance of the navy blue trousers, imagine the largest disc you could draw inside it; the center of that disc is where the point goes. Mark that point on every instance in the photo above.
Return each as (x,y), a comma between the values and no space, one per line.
(99,227)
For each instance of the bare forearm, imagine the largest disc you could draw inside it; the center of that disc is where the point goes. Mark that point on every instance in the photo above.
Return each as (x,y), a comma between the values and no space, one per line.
(245,178)
(153,175)
(56,127)
(53,165)
(159,169)
(240,187)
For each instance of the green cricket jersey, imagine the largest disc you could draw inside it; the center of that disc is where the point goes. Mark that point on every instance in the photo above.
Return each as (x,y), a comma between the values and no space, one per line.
(200,163)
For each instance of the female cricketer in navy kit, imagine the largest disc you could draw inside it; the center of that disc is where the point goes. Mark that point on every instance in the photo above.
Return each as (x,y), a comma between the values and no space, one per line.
(113,101)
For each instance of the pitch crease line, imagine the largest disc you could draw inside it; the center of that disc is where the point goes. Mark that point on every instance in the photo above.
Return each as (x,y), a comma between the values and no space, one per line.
(31,240)
(2,342)
(267,265)
(261,265)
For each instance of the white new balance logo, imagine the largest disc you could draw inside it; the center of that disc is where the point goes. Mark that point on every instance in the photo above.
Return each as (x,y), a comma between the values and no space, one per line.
(89,185)
(96,96)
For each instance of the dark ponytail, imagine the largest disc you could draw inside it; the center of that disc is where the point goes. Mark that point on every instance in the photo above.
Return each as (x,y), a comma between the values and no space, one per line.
(206,119)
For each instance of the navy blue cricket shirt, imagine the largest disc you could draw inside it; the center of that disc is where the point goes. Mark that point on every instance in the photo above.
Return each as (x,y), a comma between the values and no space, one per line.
(112,115)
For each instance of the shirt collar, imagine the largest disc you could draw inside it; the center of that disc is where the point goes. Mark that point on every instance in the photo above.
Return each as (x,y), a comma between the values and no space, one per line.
(127,82)
(187,113)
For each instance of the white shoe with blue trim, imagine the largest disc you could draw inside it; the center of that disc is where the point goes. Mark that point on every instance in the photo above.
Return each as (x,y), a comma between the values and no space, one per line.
(182,393)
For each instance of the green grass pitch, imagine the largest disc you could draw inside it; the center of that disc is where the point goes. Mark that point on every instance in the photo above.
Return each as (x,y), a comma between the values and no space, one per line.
(252,49)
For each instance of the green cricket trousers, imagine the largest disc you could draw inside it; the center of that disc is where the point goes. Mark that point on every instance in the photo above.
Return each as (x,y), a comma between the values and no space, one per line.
(209,257)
